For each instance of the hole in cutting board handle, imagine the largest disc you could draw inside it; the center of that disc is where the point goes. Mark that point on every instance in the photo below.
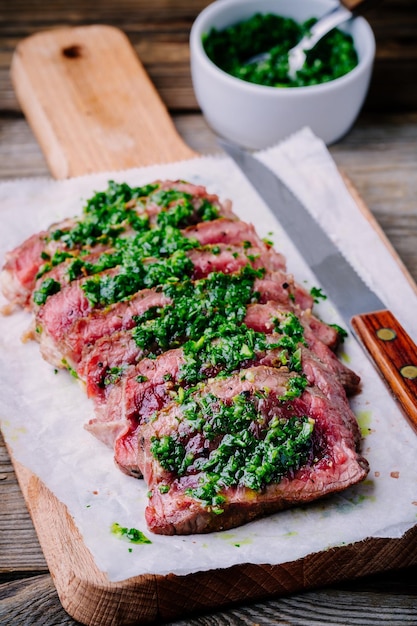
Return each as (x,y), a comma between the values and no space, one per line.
(73,52)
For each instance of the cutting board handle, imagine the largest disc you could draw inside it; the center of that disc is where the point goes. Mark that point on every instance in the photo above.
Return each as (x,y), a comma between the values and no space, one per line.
(90,103)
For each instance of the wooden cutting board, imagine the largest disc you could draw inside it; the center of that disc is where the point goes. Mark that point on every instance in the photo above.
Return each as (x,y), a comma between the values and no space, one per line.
(93,108)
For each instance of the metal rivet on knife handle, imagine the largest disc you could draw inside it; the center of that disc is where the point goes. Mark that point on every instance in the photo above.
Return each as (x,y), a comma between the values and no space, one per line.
(395,354)
(386,334)
(409,371)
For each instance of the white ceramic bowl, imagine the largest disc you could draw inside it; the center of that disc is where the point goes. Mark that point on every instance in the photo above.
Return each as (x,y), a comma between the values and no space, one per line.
(256,116)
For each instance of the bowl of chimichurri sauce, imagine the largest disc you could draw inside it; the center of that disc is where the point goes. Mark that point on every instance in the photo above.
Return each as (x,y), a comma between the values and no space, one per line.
(231,48)
(257,105)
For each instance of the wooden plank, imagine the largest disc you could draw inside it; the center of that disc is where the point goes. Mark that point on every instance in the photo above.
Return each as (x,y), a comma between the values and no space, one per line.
(91,104)
(392,597)
(64,82)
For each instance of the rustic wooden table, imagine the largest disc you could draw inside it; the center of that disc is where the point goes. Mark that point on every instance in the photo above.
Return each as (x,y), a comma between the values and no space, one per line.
(380,157)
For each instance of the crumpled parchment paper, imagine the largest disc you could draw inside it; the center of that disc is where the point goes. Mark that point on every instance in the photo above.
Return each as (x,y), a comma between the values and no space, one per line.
(42,412)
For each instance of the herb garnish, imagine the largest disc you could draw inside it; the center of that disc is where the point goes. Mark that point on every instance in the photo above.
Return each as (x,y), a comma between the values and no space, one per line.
(317,294)
(244,455)
(340,331)
(48,287)
(128,253)
(121,208)
(143,253)
(106,215)
(196,307)
(136,275)
(131,534)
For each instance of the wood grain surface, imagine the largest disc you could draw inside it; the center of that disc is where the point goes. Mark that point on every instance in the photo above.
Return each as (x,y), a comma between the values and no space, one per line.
(90,102)
(379,156)
(395,354)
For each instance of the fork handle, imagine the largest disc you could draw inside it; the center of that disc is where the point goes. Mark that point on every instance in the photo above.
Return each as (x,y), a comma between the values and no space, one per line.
(358,6)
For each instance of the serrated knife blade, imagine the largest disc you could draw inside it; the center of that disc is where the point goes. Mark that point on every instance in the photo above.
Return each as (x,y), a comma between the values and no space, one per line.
(380,333)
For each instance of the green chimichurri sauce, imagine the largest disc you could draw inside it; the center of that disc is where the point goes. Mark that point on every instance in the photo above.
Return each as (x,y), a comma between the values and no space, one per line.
(250,457)
(131,534)
(145,254)
(231,48)
(196,307)
(48,288)
(137,275)
(206,318)
(105,216)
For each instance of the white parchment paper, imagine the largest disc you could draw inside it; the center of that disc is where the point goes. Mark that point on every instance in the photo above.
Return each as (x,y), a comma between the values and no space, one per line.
(42,412)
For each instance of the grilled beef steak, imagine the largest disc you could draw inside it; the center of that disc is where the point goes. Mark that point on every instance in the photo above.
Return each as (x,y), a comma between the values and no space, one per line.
(238,449)
(209,373)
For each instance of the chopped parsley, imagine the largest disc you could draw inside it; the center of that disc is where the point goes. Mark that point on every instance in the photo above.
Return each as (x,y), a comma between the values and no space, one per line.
(131,534)
(196,307)
(48,287)
(343,334)
(109,214)
(114,374)
(143,254)
(296,386)
(317,294)
(249,450)
(128,253)
(104,289)
(59,257)
(171,454)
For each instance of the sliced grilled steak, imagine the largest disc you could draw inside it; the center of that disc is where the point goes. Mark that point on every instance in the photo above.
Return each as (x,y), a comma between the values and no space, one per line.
(20,269)
(232,232)
(209,373)
(208,470)
(63,321)
(146,388)
(24,262)
(63,345)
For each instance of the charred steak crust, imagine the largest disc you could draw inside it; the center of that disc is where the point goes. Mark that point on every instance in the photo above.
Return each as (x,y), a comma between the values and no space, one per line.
(210,375)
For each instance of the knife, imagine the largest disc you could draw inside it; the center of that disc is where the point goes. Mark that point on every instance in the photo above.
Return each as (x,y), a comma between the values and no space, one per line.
(392,350)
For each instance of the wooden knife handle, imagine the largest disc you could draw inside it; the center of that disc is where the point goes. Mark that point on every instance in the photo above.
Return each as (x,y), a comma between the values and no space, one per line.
(395,355)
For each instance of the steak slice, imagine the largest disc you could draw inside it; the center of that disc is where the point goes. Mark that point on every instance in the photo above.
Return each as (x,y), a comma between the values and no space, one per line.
(205,474)
(24,262)
(146,388)
(64,339)
(265,316)
(63,321)
(20,269)
(232,232)
(229,259)
(321,338)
